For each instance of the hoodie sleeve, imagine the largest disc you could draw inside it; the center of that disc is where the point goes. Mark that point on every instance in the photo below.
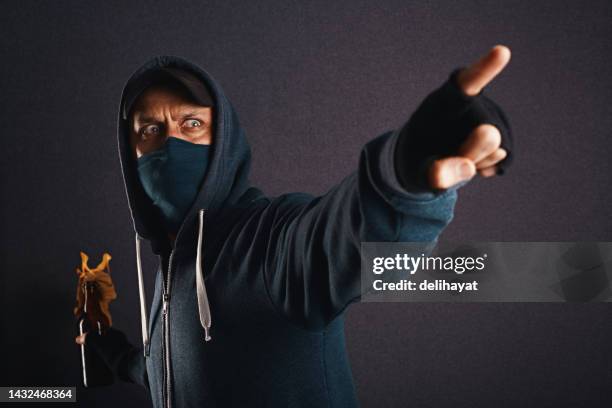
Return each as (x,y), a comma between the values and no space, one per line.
(312,268)
(125,360)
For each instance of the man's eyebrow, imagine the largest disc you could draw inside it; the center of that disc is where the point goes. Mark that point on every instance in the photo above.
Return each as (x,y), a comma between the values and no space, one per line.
(190,113)
(144,119)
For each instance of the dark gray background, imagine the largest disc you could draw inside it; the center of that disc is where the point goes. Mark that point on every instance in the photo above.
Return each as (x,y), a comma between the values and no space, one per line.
(312,83)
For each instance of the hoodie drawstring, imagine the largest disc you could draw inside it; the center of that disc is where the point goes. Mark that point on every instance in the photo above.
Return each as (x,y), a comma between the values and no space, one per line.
(143,302)
(203,305)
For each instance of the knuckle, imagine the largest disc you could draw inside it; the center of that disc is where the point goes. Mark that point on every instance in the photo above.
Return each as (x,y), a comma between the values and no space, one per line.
(488,136)
(495,157)
(487,172)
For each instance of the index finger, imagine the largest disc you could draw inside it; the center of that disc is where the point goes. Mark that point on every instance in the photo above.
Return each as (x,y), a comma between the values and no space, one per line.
(471,80)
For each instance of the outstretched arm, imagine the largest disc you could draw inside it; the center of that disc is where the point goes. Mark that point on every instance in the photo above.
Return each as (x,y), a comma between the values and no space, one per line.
(404,189)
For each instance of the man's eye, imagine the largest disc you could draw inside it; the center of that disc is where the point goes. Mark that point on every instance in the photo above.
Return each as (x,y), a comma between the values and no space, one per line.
(192,123)
(150,130)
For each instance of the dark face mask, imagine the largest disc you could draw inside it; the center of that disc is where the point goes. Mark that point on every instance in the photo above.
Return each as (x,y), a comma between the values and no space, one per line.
(171,177)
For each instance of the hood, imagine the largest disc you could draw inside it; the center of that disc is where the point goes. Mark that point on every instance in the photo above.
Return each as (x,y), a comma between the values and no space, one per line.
(223,193)
(226,179)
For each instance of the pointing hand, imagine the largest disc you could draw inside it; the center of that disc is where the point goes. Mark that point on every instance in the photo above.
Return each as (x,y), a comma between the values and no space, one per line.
(481,151)
(457,131)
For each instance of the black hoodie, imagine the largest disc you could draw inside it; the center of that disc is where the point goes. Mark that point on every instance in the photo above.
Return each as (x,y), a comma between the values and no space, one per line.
(277,275)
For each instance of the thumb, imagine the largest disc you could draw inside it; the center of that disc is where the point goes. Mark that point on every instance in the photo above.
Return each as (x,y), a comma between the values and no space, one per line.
(81,339)
(445,173)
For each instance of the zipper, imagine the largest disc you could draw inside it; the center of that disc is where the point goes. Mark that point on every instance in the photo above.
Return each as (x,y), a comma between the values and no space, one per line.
(167,383)
(167,377)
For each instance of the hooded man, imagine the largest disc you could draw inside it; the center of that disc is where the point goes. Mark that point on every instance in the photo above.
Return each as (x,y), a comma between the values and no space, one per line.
(250,292)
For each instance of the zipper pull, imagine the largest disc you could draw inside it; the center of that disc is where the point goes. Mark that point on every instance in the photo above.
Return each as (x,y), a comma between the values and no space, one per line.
(165,303)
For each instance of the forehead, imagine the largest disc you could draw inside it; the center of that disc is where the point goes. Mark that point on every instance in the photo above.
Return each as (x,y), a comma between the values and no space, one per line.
(164,96)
